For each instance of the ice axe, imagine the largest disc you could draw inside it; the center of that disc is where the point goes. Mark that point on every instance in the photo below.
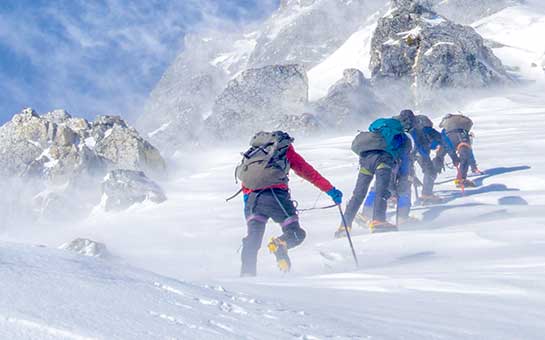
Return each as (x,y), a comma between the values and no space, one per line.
(348,236)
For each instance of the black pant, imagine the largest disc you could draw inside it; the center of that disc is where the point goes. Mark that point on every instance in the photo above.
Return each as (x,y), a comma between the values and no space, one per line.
(259,207)
(430,174)
(462,141)
(378,164)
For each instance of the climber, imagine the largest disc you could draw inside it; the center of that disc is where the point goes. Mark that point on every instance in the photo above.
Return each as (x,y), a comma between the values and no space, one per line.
(456,135)
(426,139)
(264,175)
(400,184)
(381,149)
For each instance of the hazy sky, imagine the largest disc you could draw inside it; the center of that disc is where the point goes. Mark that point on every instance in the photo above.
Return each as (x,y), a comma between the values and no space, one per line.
(99,56)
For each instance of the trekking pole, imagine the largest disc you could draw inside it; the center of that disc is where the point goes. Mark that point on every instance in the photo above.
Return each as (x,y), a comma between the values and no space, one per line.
(348,236)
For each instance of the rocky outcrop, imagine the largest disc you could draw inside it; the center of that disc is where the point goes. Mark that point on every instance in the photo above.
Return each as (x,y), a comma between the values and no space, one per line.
(259,99)
(125,148)
(303,32)
(64,159)
(123,188)
(87,247)
(415,44)
(349,102)
(58,147)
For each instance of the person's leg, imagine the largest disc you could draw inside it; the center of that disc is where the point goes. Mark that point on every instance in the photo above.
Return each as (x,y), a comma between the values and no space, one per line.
(256,221)
(464,154)
(382,194)
(283,211)
(369,204)
(251,244)
(365,177)
(430,175)
(404,200)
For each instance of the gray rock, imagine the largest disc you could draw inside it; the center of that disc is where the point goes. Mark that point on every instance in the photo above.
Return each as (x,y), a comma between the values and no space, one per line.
(57,116)
(22,140)
(124,148)
(349,102)
(123,188)
(59,147)
(87,247)
(415,44)
(259,99)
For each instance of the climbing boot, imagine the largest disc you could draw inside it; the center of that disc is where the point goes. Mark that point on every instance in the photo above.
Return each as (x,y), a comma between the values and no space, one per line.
(279,248)
(381,227)
(341,231)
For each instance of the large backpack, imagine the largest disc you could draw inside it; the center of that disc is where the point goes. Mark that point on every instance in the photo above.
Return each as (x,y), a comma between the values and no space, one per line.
(265,164)
(368,141)
(452,122)
(423,121)
(391,129)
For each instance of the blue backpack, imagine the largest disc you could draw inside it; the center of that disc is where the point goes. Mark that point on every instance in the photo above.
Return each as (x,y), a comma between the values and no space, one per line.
(392,131)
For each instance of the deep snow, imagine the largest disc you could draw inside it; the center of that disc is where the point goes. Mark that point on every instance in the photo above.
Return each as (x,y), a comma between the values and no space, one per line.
(473,269)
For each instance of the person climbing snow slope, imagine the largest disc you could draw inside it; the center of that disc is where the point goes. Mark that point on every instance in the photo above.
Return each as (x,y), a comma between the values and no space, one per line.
(263,172)
(426,139)
(380,149)
(399,190)
(456,135)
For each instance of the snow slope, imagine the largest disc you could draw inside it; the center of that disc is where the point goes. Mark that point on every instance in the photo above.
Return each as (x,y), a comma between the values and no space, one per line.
(53,294)
(472,269)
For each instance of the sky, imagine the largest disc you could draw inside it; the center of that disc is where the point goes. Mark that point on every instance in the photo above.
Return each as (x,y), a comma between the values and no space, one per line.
(100,56)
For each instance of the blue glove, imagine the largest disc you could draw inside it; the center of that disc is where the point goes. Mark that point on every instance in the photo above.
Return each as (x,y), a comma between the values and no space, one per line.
(336,195)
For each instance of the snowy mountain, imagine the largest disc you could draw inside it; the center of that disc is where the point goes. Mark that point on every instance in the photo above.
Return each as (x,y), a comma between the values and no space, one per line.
(471,268)
(324,37)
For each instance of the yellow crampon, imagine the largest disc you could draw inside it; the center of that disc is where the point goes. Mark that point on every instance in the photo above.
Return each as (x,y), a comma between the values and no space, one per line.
(341,232)
(282,259)
(283,265)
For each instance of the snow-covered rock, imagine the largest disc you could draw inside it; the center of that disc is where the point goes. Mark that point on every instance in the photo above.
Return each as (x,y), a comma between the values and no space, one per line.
(58,147)
(413,43)
(66,158)
(126,149)
(123,188)
(87,247)
(259,99)
(350,101)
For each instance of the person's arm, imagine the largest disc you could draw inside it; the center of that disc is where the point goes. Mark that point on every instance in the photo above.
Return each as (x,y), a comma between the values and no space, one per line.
(306,171)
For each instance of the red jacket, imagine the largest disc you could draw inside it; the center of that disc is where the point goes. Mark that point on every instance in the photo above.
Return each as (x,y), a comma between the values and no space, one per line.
(302,169)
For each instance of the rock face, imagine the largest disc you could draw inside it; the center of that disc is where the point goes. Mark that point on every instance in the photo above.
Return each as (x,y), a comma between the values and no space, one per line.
(415,44)
(123,188)
(59,148)
(64,159)
(259,99)
(303,32)
(87,247)
(349,102)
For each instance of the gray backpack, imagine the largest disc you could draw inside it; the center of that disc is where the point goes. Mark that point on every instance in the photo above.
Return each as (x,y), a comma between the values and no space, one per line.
(423,121)
(452,122)
(368,141)
(265,163)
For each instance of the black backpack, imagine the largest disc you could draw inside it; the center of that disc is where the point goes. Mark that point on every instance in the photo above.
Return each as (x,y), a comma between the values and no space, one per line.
(265,164)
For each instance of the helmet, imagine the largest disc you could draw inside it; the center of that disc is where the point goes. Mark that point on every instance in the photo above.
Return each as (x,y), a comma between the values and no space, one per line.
(407,119)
